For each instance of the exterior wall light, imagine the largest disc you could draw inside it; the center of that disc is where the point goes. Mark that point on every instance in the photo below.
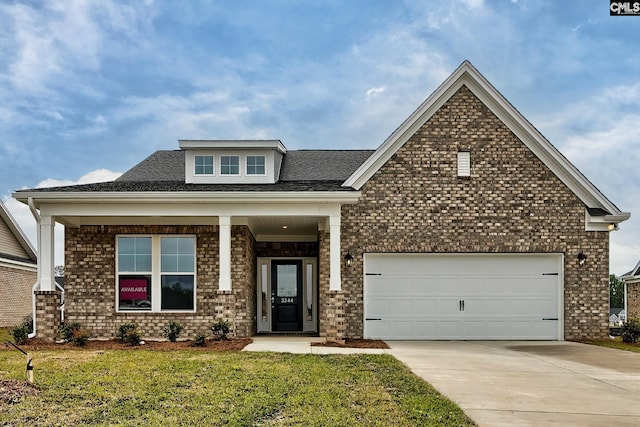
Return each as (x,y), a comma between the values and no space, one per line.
(348,259)
(582,259)
(613,227)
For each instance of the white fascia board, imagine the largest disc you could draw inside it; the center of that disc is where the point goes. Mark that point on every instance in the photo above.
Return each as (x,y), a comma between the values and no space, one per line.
(200,197)
(467,75)
(273,144)
(17,231)
(176,209)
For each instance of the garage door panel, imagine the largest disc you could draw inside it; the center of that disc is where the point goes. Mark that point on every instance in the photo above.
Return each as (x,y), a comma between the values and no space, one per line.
(448,329)
(448,286)
(467,296)
(425,306)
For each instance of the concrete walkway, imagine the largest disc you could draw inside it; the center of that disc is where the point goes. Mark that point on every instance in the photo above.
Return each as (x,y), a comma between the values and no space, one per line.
(296,344)
(531,383)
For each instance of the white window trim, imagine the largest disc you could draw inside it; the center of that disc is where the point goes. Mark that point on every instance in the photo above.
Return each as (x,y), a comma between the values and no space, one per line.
(240,165)
(156,275)
(246,165)
(213,158)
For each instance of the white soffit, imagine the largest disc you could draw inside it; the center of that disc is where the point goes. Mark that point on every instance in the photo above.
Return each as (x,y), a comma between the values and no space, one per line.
(467,75)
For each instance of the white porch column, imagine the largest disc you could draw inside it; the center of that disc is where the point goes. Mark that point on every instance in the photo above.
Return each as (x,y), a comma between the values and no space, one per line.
(335,282)
(224,225)
(46,255)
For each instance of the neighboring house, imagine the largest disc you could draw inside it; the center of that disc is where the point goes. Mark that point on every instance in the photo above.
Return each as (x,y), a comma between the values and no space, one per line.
(466,223)
(617,316)
(632,293)
(18,271)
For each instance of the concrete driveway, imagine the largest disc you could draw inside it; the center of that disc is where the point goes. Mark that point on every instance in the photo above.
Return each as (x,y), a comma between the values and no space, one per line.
(531,383)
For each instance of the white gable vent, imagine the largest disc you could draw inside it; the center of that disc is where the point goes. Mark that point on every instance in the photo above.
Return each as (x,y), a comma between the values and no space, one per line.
(464,163)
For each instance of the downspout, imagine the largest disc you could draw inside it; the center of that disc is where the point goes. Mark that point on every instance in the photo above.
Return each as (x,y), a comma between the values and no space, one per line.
(36,285)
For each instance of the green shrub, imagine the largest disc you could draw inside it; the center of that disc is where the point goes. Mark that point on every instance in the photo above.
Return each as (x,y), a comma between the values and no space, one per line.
(172,330)
(631,331)
(128,333)
(220,329)
(80,336)
(67,329)
(21,332)
(200,339)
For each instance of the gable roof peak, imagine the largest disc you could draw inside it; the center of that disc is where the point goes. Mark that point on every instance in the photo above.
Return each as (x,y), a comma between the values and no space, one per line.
(467,75)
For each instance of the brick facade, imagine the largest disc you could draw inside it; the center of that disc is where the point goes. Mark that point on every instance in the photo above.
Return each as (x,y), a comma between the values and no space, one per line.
(48,314)
(415,203)
(90,282)
(633,300)
(15,294)
(511,203)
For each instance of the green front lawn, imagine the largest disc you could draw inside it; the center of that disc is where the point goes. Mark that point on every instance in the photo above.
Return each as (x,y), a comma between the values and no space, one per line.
(617,344)
(142,387)
(5,336)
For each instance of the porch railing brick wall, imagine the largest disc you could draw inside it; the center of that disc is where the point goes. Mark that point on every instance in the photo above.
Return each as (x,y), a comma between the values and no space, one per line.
(511,203)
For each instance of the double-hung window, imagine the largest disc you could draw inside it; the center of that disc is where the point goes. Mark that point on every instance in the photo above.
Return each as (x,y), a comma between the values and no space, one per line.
(255,165)
(229,165)
(156,273)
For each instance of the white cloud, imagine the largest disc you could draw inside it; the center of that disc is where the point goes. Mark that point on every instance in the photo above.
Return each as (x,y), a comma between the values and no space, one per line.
(27,223)
(374,91)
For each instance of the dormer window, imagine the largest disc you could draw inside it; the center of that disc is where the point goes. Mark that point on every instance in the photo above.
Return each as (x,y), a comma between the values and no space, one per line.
(229,165)
(203,165)
(232,162)
(255,165)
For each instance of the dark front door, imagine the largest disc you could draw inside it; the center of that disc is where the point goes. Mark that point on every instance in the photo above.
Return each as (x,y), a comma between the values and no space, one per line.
(286,295)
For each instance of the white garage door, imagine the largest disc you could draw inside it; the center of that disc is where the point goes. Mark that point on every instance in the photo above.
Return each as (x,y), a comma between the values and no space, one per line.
(463,296)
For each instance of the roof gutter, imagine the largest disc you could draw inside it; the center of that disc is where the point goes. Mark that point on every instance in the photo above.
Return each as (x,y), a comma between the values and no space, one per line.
(192,196)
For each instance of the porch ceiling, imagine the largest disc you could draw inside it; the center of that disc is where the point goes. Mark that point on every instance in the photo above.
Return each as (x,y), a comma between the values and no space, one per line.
(286,228)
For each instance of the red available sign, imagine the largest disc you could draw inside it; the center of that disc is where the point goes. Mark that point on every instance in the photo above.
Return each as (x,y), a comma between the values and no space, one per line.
(133,289)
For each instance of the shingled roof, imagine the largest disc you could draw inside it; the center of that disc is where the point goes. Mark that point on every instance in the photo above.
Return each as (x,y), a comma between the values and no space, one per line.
(302,170)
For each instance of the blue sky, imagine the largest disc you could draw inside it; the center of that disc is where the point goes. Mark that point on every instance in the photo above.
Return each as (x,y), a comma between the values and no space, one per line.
(90,88)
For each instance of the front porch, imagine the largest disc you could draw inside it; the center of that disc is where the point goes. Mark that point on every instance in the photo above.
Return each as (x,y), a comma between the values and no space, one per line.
(264,273)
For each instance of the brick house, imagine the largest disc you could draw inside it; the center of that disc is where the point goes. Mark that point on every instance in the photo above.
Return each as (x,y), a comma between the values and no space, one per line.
(18,271)
(466,223)
(632,292)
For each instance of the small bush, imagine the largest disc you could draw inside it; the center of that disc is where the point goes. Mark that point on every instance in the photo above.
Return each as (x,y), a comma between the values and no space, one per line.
(172,330)
(631,331)
(21,332)
(67,329)
(80,336)
(27,322)
(129,333)
(200,339)
(220,329)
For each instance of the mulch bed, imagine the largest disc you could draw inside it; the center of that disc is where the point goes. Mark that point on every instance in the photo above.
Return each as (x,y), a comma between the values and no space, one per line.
(353,343)
(11,391)
(235,344)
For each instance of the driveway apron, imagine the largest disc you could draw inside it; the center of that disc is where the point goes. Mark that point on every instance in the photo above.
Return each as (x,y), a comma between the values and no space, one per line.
(530,383)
